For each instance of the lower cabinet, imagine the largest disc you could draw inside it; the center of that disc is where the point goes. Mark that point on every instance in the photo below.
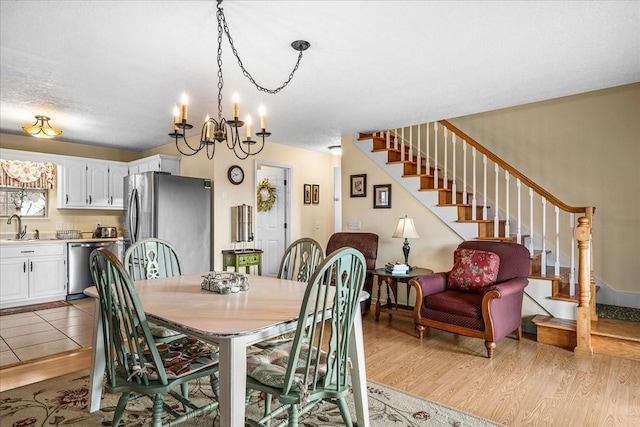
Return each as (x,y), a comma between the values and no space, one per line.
(32,273)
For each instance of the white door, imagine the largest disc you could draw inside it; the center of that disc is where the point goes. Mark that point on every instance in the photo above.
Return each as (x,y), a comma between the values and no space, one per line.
(271,226)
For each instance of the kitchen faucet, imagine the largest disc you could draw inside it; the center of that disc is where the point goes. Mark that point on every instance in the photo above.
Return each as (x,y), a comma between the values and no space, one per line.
(21,232)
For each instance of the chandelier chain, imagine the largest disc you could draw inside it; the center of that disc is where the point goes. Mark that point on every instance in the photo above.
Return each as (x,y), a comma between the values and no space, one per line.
(220,78)
(244,70)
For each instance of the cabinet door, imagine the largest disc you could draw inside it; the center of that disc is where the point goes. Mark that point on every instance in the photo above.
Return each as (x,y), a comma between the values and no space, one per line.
(13,279)
(74,184)
(47,276)
(98,185)
(116,185)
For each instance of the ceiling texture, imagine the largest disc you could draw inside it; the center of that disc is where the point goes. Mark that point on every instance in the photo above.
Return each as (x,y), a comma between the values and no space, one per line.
(109,73)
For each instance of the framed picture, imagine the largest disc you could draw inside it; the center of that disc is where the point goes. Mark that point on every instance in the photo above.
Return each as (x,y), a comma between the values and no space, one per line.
(382,196)
(315,194)
(307,194)
(359,185)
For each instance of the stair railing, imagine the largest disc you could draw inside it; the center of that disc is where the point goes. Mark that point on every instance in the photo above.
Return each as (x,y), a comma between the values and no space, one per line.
(520,207)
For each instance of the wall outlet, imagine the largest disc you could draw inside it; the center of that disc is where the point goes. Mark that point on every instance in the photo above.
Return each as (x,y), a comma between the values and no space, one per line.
(97,224)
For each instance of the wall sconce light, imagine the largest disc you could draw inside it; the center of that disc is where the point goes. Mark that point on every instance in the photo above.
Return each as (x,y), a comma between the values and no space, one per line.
(41,128)
(336,149)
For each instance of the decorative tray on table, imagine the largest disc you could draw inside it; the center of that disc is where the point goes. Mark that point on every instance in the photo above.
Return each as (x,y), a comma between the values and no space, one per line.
(225,283)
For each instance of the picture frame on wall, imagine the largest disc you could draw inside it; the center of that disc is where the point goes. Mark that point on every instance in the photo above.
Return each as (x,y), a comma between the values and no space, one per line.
(359,185)
(382,196)
(307,194)
(315,194)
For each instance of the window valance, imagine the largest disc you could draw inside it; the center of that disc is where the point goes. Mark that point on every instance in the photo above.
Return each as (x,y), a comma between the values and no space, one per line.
(25,174)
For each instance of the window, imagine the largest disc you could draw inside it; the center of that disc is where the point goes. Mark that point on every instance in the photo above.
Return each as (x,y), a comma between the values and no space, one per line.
(23,201)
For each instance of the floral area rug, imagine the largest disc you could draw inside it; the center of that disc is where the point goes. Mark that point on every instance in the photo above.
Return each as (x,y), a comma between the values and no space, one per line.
(63,401)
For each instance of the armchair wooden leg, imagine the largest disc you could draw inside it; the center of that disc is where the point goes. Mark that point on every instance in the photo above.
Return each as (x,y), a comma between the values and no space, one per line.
(490,345)
(420,329)
(519,333)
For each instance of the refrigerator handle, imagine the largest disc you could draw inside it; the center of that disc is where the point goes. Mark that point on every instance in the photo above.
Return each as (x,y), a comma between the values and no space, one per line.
(134,208)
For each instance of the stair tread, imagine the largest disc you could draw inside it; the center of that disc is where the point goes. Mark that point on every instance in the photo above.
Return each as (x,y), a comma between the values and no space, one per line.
(554,322)
(622,329)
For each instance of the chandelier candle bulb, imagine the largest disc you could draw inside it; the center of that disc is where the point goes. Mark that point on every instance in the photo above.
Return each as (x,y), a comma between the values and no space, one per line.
(263,117)
(248,123)
(184,107)
(207,130)
(176,117)
(236,107)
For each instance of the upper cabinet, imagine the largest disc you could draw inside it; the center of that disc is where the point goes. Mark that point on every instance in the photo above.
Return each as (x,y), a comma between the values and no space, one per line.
(159,162)
(92,183)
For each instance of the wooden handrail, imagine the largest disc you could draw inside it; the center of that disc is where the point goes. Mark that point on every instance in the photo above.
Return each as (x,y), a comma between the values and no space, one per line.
(513,171)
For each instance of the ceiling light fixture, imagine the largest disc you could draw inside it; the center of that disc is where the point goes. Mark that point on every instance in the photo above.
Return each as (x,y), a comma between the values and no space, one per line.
(215,130)
(336,149)
(41,130)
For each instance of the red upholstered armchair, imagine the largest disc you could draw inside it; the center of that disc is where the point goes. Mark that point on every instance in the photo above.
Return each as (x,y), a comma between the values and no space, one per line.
(480,297)
(367,243)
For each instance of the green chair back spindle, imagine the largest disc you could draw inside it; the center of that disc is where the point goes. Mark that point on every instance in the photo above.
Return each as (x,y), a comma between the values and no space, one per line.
(300,260)
(151,259)
(292,371)
(134,365)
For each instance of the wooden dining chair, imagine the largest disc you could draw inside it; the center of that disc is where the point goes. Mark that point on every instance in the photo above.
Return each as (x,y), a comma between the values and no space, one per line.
(300,260)
(314,366)
(152,259)
(134,365)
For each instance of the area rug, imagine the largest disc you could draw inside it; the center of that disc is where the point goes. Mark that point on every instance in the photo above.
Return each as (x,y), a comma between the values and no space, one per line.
(33,307)
(63,401)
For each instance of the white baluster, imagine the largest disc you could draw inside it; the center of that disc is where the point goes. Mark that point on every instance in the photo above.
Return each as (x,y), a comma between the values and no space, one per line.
(531,220)
(395,139)
(419,155)
(428,152)
(402,145)
(544,236)
(454,187)
(485,213)
(435,156)
(519,226)
(474,200)
(507,214)
(464,176)
(572,274)
(388,139)
(411,143)
(496,202)
(445,146)
(556,267)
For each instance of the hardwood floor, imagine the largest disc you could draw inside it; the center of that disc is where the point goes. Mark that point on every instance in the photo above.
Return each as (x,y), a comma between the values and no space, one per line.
(524,384)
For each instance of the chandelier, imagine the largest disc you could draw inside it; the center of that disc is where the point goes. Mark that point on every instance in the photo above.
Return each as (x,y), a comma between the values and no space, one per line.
(219,129)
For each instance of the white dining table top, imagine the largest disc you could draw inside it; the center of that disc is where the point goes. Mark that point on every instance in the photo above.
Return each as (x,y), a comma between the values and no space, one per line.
(181,300)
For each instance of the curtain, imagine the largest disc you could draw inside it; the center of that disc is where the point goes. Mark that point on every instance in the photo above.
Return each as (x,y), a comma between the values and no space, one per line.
(25,174)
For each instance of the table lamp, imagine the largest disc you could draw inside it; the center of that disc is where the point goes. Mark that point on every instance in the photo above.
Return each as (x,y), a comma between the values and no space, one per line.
(407,230)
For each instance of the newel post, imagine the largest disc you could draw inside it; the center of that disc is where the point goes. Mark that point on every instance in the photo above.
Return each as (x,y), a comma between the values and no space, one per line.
(583,318)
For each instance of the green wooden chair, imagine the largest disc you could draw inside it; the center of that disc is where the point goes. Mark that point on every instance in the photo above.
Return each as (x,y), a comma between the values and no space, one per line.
(300,260)
(314,366)
(152,259)
(134,365)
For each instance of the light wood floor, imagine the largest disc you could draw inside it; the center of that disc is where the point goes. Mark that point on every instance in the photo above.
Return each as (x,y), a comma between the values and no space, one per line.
(525,384)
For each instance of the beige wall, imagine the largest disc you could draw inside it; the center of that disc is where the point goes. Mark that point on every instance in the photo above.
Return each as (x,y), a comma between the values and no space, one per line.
(308,167)
(585,150)
(434,248)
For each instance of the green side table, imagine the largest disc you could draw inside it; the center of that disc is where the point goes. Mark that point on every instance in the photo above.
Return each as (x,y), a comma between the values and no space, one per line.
(242,258)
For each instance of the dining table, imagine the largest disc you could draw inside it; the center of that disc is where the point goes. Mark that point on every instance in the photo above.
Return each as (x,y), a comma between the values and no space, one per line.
(234,321)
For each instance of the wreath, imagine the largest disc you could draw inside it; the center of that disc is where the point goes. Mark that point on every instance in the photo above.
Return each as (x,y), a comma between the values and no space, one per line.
(266,195)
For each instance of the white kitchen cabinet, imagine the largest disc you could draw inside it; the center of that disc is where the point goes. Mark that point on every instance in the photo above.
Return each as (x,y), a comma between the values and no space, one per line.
(32,273)
(159,162)
(90,184)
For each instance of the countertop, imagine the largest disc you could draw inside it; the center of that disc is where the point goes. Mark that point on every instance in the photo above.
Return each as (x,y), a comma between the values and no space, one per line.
(54,240)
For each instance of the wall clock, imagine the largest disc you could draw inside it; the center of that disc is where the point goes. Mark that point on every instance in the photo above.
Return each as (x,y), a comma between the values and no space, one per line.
(235,174)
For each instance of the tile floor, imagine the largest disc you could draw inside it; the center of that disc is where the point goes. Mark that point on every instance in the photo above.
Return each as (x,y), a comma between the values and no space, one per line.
(35,334)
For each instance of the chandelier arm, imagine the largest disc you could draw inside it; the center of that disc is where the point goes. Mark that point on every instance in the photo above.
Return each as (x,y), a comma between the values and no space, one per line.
(245,72)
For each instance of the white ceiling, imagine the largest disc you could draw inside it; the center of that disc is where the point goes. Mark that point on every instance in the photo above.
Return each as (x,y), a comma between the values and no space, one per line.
(109,72)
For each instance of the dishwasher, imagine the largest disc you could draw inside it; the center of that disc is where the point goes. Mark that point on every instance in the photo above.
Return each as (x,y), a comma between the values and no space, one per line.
(78,267)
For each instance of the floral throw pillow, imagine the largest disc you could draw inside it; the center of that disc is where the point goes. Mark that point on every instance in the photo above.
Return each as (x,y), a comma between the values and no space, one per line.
(473,270)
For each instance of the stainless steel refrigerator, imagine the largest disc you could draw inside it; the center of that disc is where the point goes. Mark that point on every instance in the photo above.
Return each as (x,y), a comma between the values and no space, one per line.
(173,208)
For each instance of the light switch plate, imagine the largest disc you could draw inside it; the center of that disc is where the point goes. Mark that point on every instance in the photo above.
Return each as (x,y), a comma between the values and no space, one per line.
(354,225)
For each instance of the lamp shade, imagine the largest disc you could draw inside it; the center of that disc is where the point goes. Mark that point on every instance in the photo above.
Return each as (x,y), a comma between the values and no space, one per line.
(406,229)
(41,128)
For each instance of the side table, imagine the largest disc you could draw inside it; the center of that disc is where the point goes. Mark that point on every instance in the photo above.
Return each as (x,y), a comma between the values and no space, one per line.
(391,282)
(242,258)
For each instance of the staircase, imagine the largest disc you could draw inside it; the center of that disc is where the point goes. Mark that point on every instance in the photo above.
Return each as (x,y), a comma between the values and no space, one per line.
(479,196)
